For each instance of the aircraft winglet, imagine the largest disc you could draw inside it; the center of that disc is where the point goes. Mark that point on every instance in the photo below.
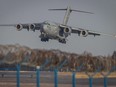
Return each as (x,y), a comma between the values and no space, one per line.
(103,33)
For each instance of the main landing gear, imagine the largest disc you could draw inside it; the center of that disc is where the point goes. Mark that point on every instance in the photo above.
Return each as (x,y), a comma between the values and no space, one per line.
(62,41)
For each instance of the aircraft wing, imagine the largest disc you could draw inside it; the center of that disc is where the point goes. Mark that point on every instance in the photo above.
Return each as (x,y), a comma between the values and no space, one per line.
(84,32)
(28,26)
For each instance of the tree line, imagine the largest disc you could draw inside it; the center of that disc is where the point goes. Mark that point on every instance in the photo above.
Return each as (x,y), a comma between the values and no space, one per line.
(10,55)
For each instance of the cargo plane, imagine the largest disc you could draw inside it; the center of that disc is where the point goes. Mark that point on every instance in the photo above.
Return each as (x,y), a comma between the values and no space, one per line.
(57,31)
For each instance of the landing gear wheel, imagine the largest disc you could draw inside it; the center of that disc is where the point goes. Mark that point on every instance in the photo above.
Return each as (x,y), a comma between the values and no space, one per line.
(62,41)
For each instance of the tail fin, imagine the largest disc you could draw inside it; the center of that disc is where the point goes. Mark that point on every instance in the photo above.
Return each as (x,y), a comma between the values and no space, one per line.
(67,14)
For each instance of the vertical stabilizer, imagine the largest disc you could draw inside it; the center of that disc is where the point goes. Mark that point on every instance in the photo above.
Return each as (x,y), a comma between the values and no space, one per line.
(67,14)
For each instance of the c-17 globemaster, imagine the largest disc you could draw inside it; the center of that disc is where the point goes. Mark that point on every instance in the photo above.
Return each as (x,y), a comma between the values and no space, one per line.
(57,31)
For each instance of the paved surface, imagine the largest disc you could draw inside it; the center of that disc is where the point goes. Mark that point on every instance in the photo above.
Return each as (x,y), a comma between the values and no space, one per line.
(28,79)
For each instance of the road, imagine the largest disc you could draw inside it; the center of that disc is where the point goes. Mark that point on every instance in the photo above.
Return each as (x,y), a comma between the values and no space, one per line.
(28,79)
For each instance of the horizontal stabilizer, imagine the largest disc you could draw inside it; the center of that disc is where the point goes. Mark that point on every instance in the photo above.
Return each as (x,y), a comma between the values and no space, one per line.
(82,11)
(71,10)
(57,9)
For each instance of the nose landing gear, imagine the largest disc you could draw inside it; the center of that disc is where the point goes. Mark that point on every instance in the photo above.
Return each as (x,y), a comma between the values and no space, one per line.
(44,38)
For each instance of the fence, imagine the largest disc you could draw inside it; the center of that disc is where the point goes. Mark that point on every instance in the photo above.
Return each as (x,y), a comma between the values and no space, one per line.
(55,61)
(56,70)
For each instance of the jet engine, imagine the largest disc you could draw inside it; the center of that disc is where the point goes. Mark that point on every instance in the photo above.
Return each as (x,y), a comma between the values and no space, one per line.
(19,27)
(84,33)
(67,30)
(64,30)
(34,27)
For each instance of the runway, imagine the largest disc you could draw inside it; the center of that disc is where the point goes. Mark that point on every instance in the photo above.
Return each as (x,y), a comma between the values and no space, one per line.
(28,79)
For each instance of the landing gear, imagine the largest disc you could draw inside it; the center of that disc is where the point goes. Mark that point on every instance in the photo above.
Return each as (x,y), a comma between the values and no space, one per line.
(62,41)
(44,39)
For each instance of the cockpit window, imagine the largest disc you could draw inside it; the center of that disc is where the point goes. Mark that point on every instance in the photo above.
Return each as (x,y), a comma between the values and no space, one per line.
(46,22)
(49,23)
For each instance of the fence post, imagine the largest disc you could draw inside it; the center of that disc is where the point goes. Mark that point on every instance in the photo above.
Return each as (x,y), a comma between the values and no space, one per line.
(106,75)
(73,80)
(105,81)
(18,75)
(38,76)
(55,78)
(90,81)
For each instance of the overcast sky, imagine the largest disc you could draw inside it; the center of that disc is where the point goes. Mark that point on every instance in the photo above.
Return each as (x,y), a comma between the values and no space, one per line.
(32,11)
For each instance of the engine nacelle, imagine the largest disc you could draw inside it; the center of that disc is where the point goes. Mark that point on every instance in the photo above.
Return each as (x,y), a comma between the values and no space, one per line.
(19,27)
(67,30)
(84,33)
(34,27)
